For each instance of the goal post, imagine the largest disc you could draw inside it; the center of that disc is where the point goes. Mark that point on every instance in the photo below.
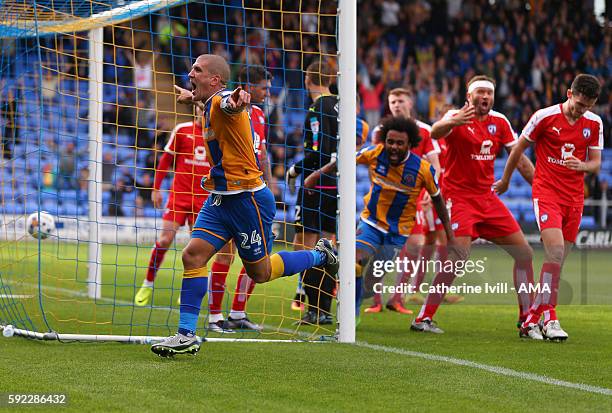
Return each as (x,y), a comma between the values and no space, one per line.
(95,148)
(347,80)
(79,110)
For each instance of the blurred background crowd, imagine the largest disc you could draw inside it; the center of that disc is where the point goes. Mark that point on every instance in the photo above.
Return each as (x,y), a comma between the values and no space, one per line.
(532,48)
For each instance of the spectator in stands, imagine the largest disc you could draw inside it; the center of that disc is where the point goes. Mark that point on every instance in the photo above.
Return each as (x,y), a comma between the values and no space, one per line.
(10,131)
(530,52)
(108,170)
(50,83)
(66,177)
(145,123)
(115,207)
(83,179)
(144,74)
(48,177)
(143,193)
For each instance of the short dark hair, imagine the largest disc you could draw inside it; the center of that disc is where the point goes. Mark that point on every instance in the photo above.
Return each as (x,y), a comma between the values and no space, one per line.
(586,85)
(321,72)
(253,75)
(401,124)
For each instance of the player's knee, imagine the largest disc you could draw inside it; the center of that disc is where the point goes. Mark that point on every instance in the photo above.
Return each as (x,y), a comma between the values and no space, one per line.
(527,253)
(165,241)
(259,276)
(554,254)
(521,253)
(190,258)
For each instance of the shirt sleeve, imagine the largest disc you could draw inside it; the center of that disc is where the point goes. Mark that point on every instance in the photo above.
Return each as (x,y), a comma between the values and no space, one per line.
(224,105)
(531,131)
(508,136)
(429,145)
(447,116)
(429,179)
(171,146)
(597,140)
(365,155)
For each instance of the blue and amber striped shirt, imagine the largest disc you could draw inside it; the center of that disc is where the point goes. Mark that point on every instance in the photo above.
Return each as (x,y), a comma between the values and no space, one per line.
(228,136)
(391,203)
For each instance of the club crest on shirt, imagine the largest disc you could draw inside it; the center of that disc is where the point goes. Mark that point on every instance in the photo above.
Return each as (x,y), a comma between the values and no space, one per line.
(567,151)
(586,133)
(408,180)
(485,147)
(492,128)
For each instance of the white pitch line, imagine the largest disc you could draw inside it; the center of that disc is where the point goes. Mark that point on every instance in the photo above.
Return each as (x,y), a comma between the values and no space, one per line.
(503,371)
(83,294)
(18,296)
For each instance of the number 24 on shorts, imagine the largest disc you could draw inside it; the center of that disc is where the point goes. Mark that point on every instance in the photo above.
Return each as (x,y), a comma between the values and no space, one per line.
(255,239)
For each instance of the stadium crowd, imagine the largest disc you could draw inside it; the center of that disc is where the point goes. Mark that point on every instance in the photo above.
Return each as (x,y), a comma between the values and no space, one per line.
(533,50)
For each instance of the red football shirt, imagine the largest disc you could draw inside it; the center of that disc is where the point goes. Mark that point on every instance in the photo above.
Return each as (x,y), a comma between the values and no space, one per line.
(427,146)
(190,165)
(260,129)
(471,152)
(556,140)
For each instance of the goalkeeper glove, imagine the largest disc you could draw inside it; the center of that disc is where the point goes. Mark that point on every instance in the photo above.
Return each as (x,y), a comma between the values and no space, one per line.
(290,178)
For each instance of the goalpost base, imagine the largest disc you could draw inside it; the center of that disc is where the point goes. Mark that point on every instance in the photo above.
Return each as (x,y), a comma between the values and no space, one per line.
(10,331)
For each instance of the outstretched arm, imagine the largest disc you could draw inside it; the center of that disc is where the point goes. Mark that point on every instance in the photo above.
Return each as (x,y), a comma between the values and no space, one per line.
(438,203)
(312,179)
(516,156)
(237,101)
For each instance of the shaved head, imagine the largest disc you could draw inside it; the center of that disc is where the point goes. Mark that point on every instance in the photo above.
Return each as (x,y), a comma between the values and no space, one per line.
(216,65)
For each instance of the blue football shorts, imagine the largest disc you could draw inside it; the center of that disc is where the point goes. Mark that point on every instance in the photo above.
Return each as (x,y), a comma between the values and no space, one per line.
(372,239)
(245,218)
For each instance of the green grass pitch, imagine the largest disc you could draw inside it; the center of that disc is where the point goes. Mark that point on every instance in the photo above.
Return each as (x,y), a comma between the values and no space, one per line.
(387,370)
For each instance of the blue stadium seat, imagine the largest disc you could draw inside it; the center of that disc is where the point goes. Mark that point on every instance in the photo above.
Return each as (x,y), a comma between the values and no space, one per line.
(68,195)
(49,195)
(49,205)
(31,207)
(528,217)
(526,207)
(128,210)
(516,210)
(67,85)
(123,139)
(588,222)
(153,213)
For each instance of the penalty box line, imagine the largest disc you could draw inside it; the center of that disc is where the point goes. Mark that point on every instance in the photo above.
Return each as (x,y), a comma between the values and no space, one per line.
(502,371)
